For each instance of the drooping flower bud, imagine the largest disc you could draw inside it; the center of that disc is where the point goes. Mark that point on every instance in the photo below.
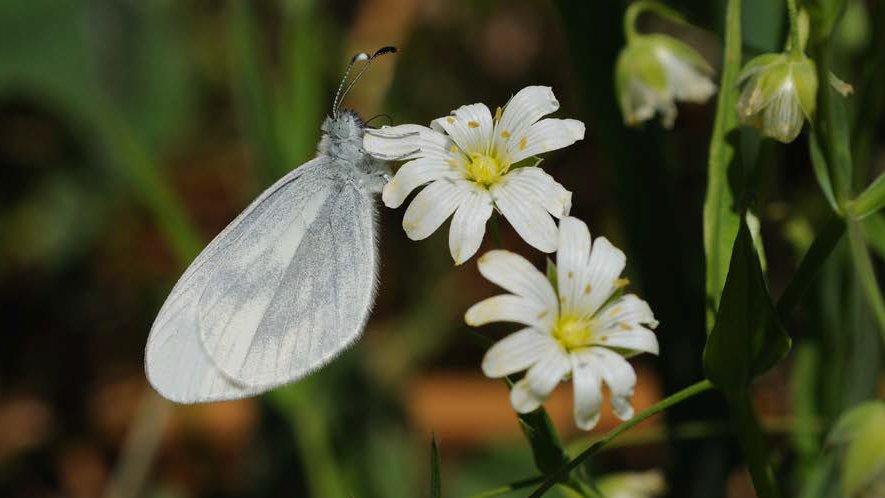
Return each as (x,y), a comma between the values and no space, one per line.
(653,71)
(779,94)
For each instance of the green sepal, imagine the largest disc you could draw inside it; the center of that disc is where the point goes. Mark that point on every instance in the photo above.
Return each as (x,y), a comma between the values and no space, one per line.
(682,51)
(759,63)
(805,81)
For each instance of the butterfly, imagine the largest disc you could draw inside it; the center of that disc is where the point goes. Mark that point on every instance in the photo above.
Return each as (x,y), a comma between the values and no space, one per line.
(287,285)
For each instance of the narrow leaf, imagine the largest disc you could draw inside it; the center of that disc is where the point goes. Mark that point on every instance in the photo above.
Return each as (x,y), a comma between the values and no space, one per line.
(435,481)
(721,219)
(822,171)
(870,200)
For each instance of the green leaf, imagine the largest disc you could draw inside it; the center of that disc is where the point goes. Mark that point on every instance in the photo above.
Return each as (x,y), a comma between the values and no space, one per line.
(435,481)
(541,435)
(822,171)
(873,228)
(870,200)
(721,217)
(747,338)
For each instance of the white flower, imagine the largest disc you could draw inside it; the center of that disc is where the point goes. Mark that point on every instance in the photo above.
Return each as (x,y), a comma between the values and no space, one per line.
(778,95)
(467,158)
(582,328)
(653,71)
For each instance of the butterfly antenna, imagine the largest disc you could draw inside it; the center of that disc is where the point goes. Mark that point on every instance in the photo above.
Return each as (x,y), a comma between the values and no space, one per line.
(368,58)
(362,56)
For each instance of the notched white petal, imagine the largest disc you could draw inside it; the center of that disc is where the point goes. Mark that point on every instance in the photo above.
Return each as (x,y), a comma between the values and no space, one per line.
(529,218)
(515,353)
(511,308)
(469,223)
(432,206)
(515,274)
(405,142)
(588,396)
(414,174)
(544,136)
(551,367)
(572,258)
(470,126)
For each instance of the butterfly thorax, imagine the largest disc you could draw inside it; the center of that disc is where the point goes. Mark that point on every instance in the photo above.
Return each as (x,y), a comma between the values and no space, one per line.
(342,141)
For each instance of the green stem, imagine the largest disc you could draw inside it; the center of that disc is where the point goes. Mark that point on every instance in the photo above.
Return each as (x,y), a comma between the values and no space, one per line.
(866,274)
(636,9)
(753,445)
(793,12)
(676,398)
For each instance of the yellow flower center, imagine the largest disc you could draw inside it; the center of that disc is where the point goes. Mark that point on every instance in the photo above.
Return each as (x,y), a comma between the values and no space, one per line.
(572,332)
(485,169)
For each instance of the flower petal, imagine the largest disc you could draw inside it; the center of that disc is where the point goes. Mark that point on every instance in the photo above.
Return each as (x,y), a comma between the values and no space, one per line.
(572,259)
(408,141)
(620,377)
(523,399)
(412,175)
(469,224)
(535,184)
(470,126)
(629,310)
(525,108)
(528,217)
(544,136)
(515,353)
(685,81)
(432,206)
(511,308)
(588,395)
(549,370)
(637,339)
(515,274)
(603,268)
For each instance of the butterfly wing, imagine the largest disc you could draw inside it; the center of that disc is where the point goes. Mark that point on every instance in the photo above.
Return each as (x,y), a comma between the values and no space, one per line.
(273,315)
(242,283)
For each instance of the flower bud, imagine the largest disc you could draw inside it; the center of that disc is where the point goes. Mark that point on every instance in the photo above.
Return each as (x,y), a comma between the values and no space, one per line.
(653,71)
(779,92)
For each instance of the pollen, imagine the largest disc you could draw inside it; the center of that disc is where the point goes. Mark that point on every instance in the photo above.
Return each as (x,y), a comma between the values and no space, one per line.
(450,119)
(522,143)
(473,124)
(485,169)
(505,134)
(453,148)
(573,333)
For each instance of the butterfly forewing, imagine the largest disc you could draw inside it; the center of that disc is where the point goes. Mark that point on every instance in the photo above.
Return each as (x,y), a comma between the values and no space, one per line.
(270,320)
(277,293)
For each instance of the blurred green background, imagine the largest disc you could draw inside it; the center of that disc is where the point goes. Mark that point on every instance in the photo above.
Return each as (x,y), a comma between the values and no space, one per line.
(131,132)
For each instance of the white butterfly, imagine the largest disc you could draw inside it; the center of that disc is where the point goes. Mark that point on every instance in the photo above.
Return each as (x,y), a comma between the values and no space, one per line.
(286,286)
